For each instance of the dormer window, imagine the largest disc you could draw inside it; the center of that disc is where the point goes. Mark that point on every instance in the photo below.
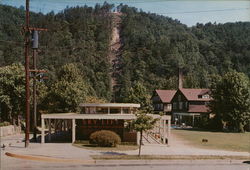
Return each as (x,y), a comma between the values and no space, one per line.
(206,96)
(179,98)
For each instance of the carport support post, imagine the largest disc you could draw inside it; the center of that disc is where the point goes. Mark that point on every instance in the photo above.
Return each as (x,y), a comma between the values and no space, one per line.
(43,128)
(164,131)
(193,120)
(169,126)
(73,130)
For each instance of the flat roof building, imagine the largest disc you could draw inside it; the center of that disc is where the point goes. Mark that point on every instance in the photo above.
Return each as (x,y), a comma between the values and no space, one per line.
(101,116)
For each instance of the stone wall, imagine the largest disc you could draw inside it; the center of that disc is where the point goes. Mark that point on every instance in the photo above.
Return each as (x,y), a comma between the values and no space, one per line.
(9,130)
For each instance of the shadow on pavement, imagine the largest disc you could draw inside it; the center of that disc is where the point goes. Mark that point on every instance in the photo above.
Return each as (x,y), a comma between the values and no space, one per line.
(113,153)
(246,162)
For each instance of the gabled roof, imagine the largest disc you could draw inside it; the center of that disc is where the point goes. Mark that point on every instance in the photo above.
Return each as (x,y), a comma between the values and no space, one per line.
(193,94)
(198,109)
(166,95)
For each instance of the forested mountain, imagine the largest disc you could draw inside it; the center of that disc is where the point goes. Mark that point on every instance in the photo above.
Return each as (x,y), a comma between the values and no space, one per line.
(153,47)
(76,35)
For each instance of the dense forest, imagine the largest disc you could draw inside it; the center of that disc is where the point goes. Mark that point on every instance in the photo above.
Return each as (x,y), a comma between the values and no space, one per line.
(154,48)
(76,35)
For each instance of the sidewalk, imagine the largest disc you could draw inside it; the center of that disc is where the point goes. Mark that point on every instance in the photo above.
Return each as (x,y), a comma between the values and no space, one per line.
(67,151)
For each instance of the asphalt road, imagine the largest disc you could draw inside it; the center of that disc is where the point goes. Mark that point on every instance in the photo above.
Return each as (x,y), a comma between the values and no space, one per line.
(10,163)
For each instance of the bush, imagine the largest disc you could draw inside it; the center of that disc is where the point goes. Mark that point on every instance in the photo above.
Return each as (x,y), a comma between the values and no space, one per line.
(4,124)
(105,138)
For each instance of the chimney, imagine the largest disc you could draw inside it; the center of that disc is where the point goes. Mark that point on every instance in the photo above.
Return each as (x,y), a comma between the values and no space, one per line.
(180,79)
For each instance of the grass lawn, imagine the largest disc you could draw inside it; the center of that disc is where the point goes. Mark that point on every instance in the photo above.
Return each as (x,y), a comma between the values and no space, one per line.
(121,147)
(216,140)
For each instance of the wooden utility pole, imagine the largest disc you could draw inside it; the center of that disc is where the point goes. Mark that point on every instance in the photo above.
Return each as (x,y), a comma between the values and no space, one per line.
(27,75)
(27,31)
(34,95)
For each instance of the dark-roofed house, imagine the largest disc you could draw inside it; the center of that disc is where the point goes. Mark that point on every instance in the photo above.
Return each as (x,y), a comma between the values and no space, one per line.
(189,105)
(185,105)
(162,100)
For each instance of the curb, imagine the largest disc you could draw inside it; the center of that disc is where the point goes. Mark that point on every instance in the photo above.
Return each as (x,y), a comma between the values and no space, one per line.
(47,159)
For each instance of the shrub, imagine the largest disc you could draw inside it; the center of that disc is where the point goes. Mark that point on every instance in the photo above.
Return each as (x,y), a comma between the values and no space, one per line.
(105,138)
(4,124)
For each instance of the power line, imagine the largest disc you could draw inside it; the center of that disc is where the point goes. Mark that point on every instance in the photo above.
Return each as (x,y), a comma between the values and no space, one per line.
(45,6)
(204,11)
(12,42)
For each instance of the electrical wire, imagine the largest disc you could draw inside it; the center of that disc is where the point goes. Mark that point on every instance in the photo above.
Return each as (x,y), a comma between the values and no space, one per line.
(204,11)
(12,42)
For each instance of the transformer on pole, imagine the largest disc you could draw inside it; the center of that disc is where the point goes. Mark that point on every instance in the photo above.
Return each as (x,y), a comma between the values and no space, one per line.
(27,30)
(34,47)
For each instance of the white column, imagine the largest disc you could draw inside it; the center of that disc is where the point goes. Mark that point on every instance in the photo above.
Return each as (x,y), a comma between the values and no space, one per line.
(159,126)
(193,120)
(108,110)
(169,126)
(43,133)
(66,125)
(121,110)
(49,129)
(73,130)
(164,131)
(55,126)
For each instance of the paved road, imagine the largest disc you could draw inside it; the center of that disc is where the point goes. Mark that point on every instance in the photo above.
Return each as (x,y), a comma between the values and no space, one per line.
(14,164)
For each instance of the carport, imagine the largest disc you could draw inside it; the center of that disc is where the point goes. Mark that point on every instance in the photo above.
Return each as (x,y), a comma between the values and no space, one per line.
(67,122)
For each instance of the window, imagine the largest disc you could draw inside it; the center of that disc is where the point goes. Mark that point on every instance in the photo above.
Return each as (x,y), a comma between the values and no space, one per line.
(174,105)
(179,98)
(206,96)
(161,106)
(180,105)
(169,106)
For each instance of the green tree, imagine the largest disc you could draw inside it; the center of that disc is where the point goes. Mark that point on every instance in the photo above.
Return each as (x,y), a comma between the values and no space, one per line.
(142,123)
(70,90)
(138,94)
(231,100)
(12,92)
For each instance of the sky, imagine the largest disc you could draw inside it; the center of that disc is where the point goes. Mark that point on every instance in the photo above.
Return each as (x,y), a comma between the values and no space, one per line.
(186,11)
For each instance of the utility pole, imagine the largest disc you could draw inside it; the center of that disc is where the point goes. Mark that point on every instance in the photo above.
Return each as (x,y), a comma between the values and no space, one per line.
(27,75)
(34,95)
(27,31)
(36,73)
